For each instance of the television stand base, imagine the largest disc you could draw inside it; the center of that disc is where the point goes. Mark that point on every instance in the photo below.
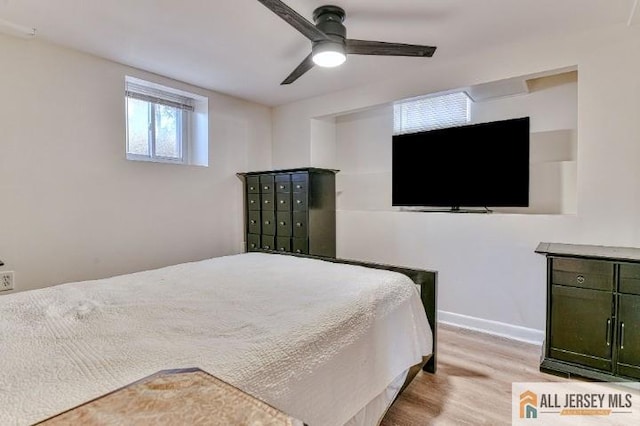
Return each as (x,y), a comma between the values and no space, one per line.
(445,210)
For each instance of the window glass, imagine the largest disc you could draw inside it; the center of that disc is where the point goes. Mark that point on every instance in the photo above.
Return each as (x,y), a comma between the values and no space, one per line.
(168,132)
(138,115)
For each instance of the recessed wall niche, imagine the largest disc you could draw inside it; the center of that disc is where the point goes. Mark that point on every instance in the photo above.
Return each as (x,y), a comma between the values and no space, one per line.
(363,143)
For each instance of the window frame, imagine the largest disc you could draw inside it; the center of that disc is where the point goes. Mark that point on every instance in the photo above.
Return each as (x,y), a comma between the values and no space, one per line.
(403,109)
(184,123)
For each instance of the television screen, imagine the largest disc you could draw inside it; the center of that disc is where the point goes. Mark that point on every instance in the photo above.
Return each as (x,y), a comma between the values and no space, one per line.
(479,165)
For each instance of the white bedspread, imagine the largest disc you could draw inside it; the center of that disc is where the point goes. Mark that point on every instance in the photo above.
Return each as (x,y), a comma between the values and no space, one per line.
(315,339)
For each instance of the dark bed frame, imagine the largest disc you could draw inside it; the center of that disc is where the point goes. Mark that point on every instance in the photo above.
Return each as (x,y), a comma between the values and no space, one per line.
(427,280)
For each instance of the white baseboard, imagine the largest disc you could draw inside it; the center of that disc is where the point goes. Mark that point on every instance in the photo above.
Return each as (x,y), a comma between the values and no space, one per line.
(515,332)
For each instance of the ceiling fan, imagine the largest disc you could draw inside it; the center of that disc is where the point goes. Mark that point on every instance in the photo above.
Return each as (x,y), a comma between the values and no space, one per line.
(329,43)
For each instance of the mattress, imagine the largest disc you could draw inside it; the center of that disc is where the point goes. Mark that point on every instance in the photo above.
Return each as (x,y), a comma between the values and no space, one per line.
(317,340)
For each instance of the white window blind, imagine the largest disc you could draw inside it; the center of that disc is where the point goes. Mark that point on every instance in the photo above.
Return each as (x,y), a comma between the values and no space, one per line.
(433,112)
(157,96)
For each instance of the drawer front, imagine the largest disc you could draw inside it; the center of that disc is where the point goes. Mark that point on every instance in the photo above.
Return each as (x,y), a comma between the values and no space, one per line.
(299,182)
(283,183)
(299,201)
(299,224)
(300,245)
(253,201)
(630,278)
(283,244)
(268,223)
(254,222)
(268,200)
(266,183)
(283,226)
(268,242)
(253,242)
(594,274)
(283,201)
(253,184)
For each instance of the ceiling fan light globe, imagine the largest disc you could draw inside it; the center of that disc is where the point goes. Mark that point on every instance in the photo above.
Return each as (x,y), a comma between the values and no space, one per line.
(329,58)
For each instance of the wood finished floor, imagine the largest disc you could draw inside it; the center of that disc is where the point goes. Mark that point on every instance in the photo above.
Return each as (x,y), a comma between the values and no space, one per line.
(473,382)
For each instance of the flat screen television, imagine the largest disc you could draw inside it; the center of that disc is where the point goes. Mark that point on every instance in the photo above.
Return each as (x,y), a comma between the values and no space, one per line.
(478,165)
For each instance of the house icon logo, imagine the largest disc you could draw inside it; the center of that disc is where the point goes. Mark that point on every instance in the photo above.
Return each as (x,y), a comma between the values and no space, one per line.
(528,405)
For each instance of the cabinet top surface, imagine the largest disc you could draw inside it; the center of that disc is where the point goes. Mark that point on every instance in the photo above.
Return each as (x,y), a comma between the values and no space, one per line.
(301,169)
(583,250)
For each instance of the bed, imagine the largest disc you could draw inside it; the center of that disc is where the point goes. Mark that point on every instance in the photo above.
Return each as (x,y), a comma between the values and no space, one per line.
(329,342)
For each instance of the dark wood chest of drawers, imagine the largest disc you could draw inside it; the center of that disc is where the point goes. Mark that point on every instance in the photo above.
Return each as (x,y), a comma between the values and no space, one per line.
(291,210)
(593,311)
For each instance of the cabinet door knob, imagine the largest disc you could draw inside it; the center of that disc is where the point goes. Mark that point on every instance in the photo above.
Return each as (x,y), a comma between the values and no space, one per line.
(580,279)
(266,187)
(281,186)
(298,202)
(252,201)
(267,247)
(281,201)
(253,222)
(298,251)
(298,186)
(266,201)
(253,246)
(266,222)
(251,188)
(298,224)
(282,223)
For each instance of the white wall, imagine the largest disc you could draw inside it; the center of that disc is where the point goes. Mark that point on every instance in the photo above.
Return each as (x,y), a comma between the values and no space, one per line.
(73,208)
(487,266)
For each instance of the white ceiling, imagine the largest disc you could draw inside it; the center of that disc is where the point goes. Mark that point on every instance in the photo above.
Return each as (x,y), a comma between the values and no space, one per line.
(241,48)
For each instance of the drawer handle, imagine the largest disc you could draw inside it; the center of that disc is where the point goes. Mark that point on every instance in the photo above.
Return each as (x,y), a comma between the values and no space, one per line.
(299,225)
(252,201)
(266,187)
(608,333)
(282,223)
(298,202)
(281,201)
(266,201)
(251,188)
(298,186)
(580,279)
(253,222)
(281,187)
(621,335)
(266,222)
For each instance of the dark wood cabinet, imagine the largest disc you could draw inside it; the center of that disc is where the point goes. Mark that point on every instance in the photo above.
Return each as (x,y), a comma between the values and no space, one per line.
(291,210)
(593,311)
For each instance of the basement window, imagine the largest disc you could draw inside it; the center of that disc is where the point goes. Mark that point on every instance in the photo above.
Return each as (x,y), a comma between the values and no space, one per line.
(165,125)
(430,112)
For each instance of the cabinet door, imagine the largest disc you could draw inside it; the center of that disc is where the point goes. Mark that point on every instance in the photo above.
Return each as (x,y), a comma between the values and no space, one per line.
(581,328)
(629,335)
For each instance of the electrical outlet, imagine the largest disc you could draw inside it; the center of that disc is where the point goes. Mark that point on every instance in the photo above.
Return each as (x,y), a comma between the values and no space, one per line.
(6,280)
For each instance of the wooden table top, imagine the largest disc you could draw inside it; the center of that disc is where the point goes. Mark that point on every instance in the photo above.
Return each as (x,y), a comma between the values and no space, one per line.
(170,397)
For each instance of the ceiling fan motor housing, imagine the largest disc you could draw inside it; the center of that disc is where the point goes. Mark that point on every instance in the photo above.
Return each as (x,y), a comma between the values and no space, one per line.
(329,19)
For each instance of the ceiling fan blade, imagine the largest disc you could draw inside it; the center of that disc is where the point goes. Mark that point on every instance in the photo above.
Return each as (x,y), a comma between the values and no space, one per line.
(294,19)
(304,66)
(365,47)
